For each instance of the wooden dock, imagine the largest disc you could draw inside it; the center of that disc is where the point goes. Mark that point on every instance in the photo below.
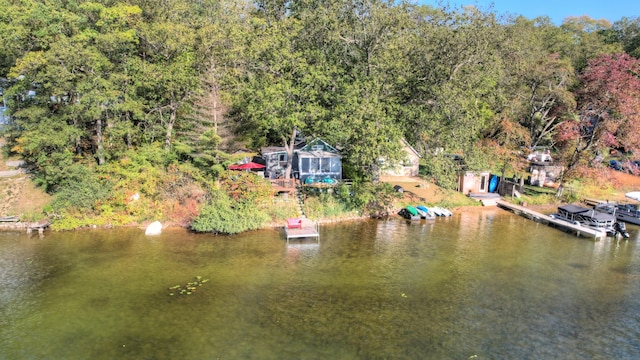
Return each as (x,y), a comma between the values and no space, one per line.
(546,219)
(309,229)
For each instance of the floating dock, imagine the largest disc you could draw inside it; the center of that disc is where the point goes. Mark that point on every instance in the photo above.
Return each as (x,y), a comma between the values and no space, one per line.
(546,219)
(308,229)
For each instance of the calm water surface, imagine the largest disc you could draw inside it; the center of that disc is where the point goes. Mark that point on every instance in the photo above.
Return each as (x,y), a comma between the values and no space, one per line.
(486,285)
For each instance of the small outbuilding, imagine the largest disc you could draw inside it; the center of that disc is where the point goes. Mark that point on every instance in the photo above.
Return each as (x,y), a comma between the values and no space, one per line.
(474,182)
(408,166)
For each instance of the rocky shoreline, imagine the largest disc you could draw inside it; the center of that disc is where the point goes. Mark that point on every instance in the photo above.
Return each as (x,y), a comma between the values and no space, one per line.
(39,226)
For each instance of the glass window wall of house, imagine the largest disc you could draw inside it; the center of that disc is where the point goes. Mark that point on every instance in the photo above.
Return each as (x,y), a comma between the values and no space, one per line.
(314,166)
(326,165)
(304,165)
(336,166)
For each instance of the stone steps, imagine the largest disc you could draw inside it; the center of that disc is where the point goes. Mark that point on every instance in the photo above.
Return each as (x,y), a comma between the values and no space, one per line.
(488,202)
(300,202)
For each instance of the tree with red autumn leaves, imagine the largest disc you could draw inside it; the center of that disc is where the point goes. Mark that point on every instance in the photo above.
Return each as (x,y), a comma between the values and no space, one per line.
(608,109)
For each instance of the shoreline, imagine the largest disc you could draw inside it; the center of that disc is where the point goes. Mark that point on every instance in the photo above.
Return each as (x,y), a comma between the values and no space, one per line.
(169,225)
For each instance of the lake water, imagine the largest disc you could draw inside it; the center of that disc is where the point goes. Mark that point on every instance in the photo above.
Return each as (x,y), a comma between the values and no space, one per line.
(479,285)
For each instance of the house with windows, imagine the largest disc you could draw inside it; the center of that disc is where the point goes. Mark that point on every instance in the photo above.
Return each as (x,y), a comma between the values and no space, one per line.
(275,158)
(317,162)
(313,162)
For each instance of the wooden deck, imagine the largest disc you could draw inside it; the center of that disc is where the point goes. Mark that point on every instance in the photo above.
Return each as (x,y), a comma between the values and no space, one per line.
(534,215)
(283,185)
(308,230)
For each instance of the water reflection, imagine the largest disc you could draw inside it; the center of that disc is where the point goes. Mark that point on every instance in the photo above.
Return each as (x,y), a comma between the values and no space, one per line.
(488,284)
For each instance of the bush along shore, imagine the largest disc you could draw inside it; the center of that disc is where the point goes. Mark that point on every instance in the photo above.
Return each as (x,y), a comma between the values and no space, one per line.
(179,197)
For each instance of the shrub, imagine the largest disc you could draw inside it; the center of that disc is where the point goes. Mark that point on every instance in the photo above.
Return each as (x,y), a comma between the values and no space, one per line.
(225,216)
(370,198)
(80,190)
(326,206)
(183,184)
(280,208)
(52,170)
(245,186)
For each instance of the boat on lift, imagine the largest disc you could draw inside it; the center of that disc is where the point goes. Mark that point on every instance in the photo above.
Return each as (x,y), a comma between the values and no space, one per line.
(626,212)
(591,218)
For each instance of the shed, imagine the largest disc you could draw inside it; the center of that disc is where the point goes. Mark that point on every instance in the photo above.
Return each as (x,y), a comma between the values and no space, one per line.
(408,166)
(473,182)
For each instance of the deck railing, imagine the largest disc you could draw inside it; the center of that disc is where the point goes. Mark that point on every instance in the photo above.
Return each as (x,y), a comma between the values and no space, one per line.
(291,183)
(283,183)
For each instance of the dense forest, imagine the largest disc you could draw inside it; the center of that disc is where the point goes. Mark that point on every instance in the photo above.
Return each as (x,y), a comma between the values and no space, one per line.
(108,98)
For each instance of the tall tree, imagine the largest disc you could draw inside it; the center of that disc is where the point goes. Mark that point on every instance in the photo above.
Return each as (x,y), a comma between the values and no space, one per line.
(70,79)
(279,95)
(457,67)
(166,77)
(32,26)
(585,40)
(366,129)
(608,108)
(79,76)
(535,87)
(627,32)
(221,44)
(358,50)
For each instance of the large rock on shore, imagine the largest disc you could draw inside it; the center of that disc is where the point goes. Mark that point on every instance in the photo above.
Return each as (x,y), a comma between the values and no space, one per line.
(155,228)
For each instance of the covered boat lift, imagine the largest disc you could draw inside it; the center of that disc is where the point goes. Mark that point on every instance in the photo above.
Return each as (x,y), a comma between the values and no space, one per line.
(534,215)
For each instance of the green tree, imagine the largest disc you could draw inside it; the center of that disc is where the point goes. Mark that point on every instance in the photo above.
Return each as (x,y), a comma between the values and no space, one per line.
(32,26)
(75,78)
(366,129)
(358,52)
(627,32)
(584,40)
(70,83)
(279,94)
(452,95)
(536,86)
(166,77)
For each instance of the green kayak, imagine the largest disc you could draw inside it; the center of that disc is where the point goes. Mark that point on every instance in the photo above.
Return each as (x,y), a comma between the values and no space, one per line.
(413,211)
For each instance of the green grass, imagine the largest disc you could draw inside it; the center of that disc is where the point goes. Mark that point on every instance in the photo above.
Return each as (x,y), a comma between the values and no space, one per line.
(326,207)
(281,208)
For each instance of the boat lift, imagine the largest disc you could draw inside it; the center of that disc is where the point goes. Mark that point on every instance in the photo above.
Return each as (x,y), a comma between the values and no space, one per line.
(534,215)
